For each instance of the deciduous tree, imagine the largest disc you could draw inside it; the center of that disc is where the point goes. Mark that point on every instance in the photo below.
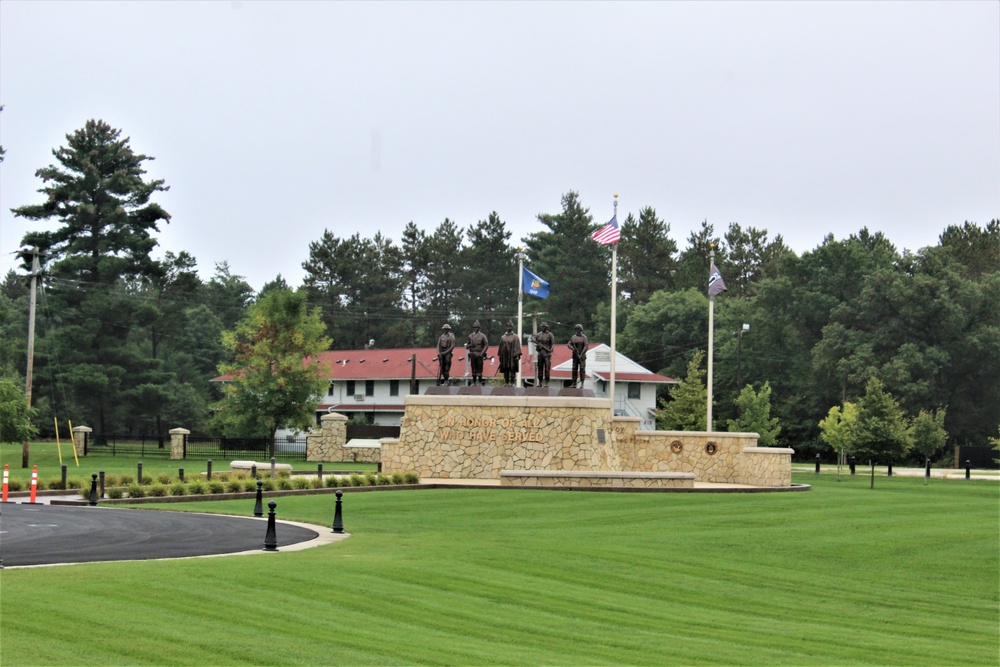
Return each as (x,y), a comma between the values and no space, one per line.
(274,377)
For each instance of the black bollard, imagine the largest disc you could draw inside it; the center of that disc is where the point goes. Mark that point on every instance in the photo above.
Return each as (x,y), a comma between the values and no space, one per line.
(273,468)
(817,464)
(271,538)
(208,465)
(93,489)
(258,508)
(890,470)
(852,465)
(338,515)
(63,487)
(138,476)
(378,467)
(180,474)
(927,469)
(101,477)
(968,469)
(253,471)
(319,471)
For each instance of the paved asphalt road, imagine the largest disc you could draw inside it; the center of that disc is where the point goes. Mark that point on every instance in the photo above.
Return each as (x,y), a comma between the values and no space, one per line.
(47,534)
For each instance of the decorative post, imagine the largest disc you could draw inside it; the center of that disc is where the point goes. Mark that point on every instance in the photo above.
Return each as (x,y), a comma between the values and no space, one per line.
(93,489)
(271,538)
(338,516)
(80,434)
(258,508)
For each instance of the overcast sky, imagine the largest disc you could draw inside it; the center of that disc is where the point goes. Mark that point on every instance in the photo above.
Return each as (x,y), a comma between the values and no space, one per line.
(271,122)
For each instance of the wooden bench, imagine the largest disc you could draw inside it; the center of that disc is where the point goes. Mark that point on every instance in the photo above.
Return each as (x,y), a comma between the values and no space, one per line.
(601,478)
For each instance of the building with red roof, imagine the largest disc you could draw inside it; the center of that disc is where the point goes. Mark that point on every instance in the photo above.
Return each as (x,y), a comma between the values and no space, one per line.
(374,382)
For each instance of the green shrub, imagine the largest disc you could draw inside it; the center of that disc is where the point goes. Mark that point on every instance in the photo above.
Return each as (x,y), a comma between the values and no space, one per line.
(384,480)
(146,480)
(221,477)
(52,483)
(411,477)
(284,474)
(300,483)
(197,487)
(370,478)
(164,478)
(178,489)
(397,478)
(234,485)
(123,480)
(249,484)
(84,493)
(77,483)
(115,492)
(136,490)
(216,486)
(39,485)
(357,480)
(285,484)
(156,490)
(15,485)
(269,485)
(330,481)
(316,482)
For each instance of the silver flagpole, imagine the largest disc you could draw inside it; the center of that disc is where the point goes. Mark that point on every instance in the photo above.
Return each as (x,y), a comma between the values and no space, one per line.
(614,313)
(520,306)
(711,337)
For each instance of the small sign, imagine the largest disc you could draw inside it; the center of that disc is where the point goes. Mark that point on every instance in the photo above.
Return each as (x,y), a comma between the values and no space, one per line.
(600,436)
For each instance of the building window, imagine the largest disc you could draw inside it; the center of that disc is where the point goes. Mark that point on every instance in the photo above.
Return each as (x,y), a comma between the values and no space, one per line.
(634,390)
(329,391)
(350,388)
(369,387)
(394,387)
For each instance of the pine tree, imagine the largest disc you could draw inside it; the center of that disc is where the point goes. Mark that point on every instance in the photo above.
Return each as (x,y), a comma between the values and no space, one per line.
(577,269)
(96,257)
(688,407)
(755,415)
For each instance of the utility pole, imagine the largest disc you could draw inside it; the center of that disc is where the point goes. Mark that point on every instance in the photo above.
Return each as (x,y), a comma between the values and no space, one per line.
(31,341)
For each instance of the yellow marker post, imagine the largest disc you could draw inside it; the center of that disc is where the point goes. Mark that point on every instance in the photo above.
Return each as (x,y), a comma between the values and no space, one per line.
(73,439)
(58,446)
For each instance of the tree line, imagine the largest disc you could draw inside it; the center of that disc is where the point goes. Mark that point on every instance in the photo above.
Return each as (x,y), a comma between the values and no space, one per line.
(128,342)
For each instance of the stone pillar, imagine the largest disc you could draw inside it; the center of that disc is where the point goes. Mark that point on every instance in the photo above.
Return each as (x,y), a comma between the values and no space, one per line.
(328,444)
(79,434)
(177,442)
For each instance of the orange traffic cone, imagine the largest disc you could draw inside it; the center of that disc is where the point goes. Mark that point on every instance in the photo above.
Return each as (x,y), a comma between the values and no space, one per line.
(34,483)
(6,480)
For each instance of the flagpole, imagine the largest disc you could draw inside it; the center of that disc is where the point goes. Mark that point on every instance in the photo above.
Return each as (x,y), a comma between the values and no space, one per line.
(711,337)
(614,314)
(520,308)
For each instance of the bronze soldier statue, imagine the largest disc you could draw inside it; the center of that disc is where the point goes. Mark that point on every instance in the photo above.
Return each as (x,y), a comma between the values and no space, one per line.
(476,346)
(544,340)
(509,353)
(446,348)
(579,343)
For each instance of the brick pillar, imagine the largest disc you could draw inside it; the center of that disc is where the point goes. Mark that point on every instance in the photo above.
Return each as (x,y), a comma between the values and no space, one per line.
(328,444)
(177,442)
(79,434)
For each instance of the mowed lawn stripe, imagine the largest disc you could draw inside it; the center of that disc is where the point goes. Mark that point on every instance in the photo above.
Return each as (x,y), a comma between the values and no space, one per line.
(902,574)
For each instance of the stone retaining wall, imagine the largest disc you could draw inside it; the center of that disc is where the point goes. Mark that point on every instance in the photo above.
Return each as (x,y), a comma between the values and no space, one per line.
(477,437)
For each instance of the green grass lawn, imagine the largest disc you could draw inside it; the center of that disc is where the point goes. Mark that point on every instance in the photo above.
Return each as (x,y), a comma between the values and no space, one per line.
(46,456)
(905,574)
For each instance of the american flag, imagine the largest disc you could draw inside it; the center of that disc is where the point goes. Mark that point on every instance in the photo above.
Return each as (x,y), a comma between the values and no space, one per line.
(609,233)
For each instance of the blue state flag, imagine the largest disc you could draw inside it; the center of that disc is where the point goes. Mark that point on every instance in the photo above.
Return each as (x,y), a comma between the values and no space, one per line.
(532,284)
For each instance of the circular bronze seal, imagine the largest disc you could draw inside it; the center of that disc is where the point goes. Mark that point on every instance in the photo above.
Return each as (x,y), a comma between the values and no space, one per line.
(676,446)
(711,448)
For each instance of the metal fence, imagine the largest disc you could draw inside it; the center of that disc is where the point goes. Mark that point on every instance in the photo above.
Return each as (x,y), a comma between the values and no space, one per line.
(198,447)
